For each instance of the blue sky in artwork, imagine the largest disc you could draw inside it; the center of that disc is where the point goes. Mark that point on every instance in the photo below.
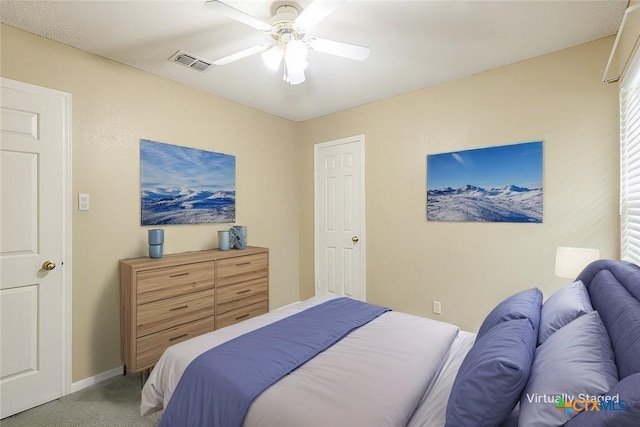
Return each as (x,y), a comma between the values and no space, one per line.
(172,166)
(518,164)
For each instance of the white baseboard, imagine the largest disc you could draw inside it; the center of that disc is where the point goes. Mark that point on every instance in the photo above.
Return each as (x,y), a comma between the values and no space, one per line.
(285,306)
(88,382)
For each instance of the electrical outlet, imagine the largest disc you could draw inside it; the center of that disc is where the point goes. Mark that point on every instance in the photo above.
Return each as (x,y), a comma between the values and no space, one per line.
(83,201)
(437,307)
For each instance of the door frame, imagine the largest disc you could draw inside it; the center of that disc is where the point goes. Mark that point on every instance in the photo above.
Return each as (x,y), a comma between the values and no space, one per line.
(356,139)
(66,277)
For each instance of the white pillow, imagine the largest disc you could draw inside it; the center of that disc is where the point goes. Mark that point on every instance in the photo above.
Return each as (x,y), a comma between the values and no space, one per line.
(564,306)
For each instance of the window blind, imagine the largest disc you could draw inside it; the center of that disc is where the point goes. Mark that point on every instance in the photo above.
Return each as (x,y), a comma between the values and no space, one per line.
(630,174)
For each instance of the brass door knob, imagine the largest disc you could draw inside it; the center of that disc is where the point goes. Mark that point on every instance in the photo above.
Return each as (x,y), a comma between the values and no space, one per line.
(48,265)
(355,239)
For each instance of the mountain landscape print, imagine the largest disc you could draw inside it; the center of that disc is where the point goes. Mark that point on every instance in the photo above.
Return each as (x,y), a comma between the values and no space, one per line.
(181,185)
(496,184)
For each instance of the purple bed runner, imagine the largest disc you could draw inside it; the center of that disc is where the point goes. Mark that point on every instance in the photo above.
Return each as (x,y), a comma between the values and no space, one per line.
(218,386)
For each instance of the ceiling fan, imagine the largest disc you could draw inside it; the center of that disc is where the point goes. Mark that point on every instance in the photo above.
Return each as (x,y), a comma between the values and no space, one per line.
(288,27)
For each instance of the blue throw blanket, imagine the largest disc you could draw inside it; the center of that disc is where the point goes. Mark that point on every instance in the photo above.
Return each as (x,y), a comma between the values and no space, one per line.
(218,386)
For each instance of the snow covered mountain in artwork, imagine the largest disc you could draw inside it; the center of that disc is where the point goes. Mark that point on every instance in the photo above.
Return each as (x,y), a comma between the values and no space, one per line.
(475,204)
(187,206)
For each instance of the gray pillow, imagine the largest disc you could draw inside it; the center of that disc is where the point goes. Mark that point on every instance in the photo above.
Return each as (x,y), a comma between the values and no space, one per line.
(575,361)
(564,306)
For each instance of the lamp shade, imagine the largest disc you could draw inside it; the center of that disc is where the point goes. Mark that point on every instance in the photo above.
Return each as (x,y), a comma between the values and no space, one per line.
(571,261)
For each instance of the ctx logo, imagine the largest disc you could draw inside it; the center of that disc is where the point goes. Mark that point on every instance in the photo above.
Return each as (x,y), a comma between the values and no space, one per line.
(577,405)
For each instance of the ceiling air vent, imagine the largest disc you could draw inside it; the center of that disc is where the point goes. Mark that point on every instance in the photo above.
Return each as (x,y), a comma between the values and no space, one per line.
(190,60)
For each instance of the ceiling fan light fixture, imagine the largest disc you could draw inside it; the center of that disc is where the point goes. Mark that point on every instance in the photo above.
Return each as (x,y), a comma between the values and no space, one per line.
(295,61)
(295,65)
(297,51)
(272,57)
(294,78)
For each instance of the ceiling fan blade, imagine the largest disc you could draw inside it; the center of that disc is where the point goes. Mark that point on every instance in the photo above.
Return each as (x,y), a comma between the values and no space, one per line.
(314,13)
(345,50)
(237,15)
(242,54)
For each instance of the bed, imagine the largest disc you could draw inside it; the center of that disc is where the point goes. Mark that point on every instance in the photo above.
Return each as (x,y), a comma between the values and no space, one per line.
(574,361)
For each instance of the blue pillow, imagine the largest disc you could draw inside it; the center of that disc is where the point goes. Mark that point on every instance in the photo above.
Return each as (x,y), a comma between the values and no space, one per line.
(575,362)
(492,375)
(623,413)
(620,312)
(564,306)
(523,305)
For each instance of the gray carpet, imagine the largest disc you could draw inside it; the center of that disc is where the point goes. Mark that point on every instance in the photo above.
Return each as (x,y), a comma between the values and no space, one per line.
(111,403)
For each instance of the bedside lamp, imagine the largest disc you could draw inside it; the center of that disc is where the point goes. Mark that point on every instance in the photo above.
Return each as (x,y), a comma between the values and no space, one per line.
(571,261)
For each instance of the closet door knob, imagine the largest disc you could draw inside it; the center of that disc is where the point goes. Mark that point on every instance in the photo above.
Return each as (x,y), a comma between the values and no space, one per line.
(48,265)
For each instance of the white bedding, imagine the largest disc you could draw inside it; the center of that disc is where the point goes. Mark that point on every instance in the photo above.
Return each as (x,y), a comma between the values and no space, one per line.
(376,376)
(431,411)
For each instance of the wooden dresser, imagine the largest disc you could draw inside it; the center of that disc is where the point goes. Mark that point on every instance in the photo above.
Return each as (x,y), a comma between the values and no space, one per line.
(167,300)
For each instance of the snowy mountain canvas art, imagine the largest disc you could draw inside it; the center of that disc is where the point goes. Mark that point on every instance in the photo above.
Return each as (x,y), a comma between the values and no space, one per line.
(497,184)
(181,185)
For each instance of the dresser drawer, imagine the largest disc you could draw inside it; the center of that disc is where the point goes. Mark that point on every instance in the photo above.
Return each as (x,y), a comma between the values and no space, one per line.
(241,269)
(167,282)
(244,313)
(158,315)
(240,290)
(242,302)
(151,347)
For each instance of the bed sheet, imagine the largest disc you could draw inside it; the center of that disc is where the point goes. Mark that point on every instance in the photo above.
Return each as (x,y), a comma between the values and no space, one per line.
(433,406)
(375,376)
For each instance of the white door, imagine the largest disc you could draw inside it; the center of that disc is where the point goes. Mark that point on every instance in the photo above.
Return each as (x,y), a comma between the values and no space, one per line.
(339,217)
(34,143)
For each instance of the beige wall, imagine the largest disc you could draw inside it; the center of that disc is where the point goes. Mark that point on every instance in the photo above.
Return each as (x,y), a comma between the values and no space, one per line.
(557,98)
(468,266)
(113,107)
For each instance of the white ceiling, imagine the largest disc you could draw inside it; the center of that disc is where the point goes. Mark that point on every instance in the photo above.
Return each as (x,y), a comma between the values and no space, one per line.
(414,44)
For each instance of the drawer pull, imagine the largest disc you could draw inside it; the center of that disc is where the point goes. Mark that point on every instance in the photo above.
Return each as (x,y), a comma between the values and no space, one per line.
(243,263)
(179,274)
(178,337)
(243,292)
(178,308)
(243,316)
